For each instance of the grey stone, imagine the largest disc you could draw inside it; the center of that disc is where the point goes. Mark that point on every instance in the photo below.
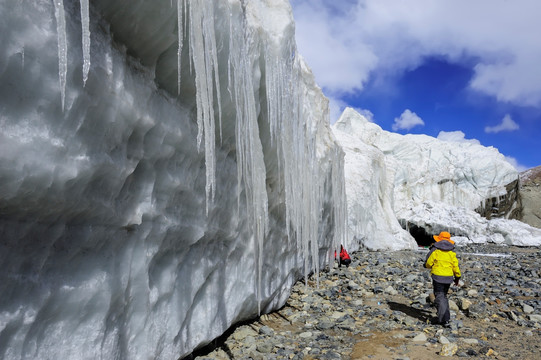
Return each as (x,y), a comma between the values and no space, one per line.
(477,310)
(421,337)
(264,347)
(242,332)
(464,303)
(325,324)
(265,330)
(443,340)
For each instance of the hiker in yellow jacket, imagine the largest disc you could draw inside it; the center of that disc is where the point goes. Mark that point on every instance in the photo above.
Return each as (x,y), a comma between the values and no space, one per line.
(444,270)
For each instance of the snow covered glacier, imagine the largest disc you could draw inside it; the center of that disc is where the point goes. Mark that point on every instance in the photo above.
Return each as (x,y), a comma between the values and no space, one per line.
(425,185)
(166,169)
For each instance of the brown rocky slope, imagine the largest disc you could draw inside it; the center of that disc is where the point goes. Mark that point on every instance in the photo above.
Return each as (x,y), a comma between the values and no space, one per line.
(530,191)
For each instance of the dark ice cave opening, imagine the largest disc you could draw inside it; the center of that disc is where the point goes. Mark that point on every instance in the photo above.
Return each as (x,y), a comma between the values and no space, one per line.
(420,235)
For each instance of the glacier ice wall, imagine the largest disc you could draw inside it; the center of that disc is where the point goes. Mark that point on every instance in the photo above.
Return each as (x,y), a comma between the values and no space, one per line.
(418,175)
(369,188)
(467,226)
(143,209)
(426,168)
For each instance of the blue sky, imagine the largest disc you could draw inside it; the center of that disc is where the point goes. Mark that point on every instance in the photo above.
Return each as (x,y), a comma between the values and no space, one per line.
(462,70)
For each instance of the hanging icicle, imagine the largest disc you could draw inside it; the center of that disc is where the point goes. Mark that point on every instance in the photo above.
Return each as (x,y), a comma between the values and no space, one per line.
(203,54)
(180,41)
(85,30)
(250,161)
(62,46)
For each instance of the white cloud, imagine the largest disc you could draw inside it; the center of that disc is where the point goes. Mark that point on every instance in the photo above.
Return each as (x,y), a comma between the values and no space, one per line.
(366,113)
(456,136)
(328,50)
(346,42)
(516,165)
(407,120)
(507,124)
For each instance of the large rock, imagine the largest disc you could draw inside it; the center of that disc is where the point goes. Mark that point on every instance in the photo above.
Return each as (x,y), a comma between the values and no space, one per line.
(530,191)
(507,205)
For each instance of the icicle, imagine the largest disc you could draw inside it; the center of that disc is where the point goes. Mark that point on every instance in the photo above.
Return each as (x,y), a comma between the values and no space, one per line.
(250,160)
(85,25)
(62,46)
(340,203)
(187,24)
(210,42)
(291,128)
(180,40)
(283,113)
(303,182)
(204,58)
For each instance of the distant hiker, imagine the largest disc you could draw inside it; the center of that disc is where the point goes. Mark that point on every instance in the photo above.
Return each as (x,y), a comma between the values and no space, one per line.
(344,257)
(444,270)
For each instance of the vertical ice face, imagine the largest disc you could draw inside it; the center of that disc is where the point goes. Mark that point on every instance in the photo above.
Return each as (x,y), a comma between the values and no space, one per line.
(62,46)
(289,90)
(339,192)
(139,230)
(251,172)
(372,222)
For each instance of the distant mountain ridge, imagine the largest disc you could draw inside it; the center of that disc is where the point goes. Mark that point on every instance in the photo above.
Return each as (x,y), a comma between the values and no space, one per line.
(531,176)
(530,191)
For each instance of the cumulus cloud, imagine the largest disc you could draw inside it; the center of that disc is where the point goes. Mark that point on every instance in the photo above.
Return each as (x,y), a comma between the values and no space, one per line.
(349,41)
(518,167)
(407,121)
(507,124)
(456,136)
(366,113)
(328,49)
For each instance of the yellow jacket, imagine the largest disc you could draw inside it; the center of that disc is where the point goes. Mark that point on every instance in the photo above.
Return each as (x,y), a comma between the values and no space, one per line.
(443,263)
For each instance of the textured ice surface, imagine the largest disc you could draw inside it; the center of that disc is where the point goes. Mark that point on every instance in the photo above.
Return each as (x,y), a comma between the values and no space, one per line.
(421,180)
(122,235)
(369,188)
(425,168)
(467,226)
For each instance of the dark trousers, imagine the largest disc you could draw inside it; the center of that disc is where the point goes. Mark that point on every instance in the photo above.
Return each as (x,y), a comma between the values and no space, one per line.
(442,303)
(344,262)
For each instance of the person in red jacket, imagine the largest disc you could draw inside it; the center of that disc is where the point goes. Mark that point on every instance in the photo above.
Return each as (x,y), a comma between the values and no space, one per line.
(344,257)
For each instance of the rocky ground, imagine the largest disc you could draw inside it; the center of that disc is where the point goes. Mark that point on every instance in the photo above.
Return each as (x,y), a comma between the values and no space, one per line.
(379,308)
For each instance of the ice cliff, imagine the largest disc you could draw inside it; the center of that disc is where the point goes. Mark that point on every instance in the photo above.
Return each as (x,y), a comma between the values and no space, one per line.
(369,188)
(426,185)
(166,169)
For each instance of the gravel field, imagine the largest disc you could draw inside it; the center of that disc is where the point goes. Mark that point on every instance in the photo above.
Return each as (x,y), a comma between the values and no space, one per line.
(379,308)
